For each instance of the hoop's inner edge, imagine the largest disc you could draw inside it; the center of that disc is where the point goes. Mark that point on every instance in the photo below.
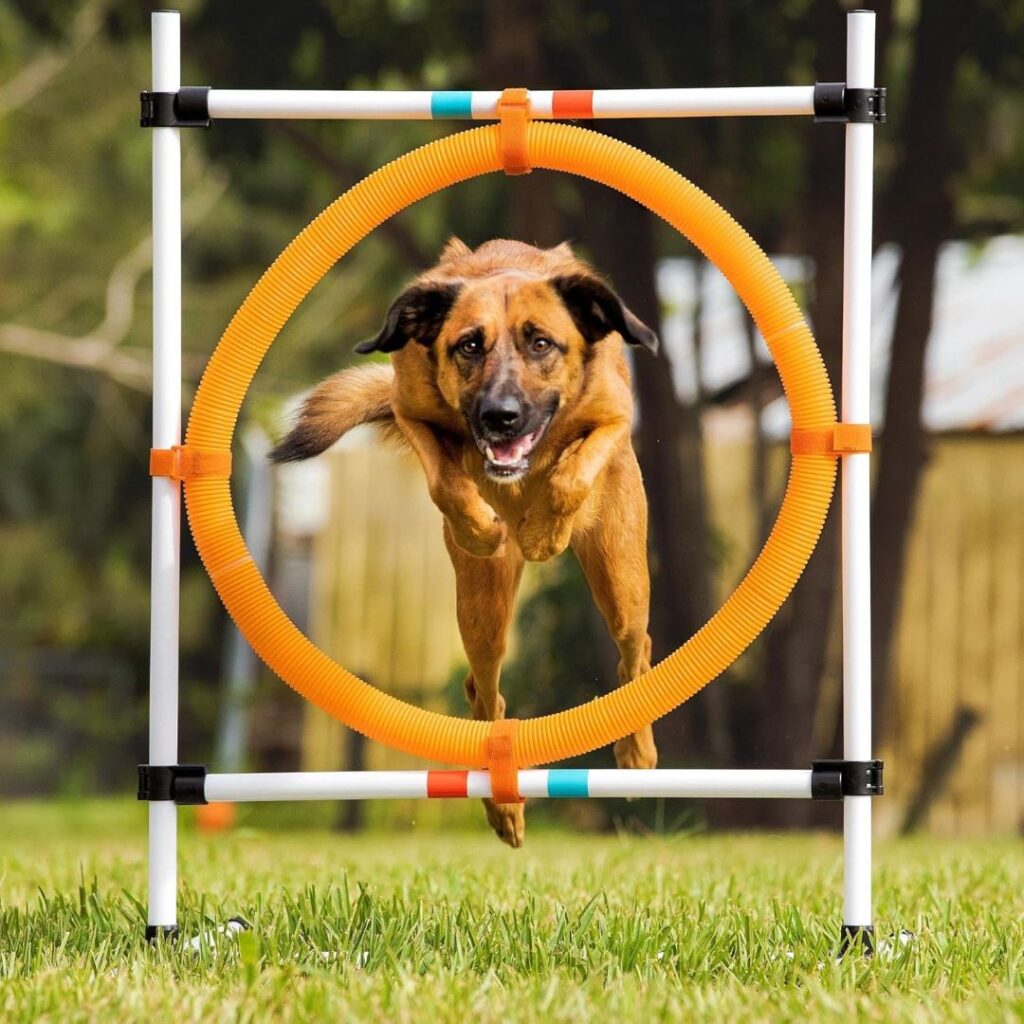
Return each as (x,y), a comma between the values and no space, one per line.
(292,276)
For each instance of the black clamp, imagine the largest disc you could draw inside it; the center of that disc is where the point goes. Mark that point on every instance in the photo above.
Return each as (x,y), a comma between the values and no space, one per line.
(169,932)
(189,107)
(834,779)
(837,103)
(856,938)
(182,783)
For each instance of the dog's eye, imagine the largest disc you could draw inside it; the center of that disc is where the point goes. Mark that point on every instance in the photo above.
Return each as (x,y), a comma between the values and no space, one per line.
(470,346)
(540,345)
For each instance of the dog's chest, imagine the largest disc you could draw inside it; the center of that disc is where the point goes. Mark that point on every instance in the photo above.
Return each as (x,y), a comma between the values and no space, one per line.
(510,501)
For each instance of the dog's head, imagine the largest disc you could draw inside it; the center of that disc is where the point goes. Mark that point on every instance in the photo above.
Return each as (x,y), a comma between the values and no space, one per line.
(509,330)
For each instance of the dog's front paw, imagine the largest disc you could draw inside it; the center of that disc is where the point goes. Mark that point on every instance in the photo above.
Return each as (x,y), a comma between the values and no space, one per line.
(508,822)
(542,537)
(480,538)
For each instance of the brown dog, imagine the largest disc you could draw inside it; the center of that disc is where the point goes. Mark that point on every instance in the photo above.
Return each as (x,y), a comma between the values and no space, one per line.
(515,396)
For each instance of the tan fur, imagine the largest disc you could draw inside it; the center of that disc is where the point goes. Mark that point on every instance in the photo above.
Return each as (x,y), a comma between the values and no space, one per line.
(338,404)
(583,487)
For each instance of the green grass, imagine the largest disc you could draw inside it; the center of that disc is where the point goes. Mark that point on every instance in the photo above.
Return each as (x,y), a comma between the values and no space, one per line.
(421,925)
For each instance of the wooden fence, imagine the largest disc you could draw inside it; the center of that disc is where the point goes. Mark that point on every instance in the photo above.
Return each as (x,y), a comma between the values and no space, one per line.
(383,599)
(957,712)
(960,648)
(383,604)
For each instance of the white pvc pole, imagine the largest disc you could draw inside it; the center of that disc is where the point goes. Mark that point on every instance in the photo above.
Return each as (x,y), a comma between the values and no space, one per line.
(856,478)
(711,783)
(607,103)
(311,103)
(265,786)
(755,101)
(533,783)
(164,580)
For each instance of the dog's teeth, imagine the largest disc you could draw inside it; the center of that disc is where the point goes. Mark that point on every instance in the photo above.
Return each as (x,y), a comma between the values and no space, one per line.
(489,452)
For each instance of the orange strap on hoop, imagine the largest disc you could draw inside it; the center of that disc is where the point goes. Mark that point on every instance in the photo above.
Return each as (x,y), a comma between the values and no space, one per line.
(184,462)
(513,117)
(501,762)
(836,439)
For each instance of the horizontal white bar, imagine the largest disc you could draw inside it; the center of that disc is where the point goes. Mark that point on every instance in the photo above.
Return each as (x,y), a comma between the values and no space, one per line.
(753,101)
(340,104)
(390,105)
(612,782)
(316,786)
(702,782)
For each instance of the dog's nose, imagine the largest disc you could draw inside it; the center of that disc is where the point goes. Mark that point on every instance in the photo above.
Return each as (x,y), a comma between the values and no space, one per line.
(501,414)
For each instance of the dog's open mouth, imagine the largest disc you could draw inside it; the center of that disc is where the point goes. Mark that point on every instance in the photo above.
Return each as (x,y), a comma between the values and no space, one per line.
(509,460)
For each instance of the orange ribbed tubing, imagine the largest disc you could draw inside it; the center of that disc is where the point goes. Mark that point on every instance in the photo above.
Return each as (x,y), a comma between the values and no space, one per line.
(279,291)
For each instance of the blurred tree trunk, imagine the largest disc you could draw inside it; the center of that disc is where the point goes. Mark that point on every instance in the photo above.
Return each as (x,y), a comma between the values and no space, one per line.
(671,459)
(919,219)
(796,644)
(775,726)
(514,57)
(919,212)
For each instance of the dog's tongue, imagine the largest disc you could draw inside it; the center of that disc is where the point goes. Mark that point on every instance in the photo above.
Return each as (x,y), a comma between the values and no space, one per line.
(513,451)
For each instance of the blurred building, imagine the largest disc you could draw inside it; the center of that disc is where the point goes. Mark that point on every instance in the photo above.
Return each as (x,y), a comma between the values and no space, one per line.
(958,708)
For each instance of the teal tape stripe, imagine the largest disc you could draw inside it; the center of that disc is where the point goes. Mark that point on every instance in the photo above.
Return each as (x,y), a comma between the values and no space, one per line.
(565,782)
(451,104)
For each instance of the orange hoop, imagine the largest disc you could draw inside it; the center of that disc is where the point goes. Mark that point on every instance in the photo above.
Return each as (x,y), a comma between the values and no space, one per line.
(276,295)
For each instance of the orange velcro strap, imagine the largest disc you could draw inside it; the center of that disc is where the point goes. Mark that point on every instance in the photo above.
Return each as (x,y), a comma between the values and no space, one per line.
(513,117)
(182,462)
(836,439)
(501,762)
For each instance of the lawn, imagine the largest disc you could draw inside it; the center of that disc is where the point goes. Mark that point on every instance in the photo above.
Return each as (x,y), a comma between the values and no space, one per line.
(451,926)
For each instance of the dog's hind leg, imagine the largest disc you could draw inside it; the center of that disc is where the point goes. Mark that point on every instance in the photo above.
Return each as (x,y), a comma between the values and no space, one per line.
(485,595)
(613,553)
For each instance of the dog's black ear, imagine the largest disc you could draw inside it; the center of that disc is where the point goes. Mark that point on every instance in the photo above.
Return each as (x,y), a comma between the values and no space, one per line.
(416,315)
(597,311)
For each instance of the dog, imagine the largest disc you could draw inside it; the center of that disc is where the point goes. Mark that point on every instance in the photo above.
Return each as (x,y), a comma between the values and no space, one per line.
(508,378)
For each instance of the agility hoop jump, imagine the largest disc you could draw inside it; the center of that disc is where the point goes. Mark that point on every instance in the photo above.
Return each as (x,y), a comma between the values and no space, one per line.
(501,750)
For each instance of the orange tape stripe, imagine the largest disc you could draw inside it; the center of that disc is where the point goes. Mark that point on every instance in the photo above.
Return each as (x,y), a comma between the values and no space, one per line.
(514,116)
(836,439)
(447,784)
(182,462)
(501,761)
(573,103)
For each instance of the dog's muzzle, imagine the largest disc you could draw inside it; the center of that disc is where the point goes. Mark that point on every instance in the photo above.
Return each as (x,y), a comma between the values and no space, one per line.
(506,431)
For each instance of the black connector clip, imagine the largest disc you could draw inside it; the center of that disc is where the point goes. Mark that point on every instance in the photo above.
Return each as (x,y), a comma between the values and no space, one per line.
(182,783)
(837,103)
(189,107)
(857,938)
(834,779)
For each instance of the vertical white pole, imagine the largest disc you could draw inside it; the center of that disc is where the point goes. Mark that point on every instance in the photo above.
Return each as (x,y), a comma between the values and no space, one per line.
(164,581)
(856,479)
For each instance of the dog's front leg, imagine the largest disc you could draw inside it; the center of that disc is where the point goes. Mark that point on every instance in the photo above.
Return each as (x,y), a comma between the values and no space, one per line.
(474,525)
(547,527)
(613,553)
(485,595)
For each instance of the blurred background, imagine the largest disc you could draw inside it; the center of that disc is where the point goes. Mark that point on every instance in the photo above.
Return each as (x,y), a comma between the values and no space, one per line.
(350,542)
